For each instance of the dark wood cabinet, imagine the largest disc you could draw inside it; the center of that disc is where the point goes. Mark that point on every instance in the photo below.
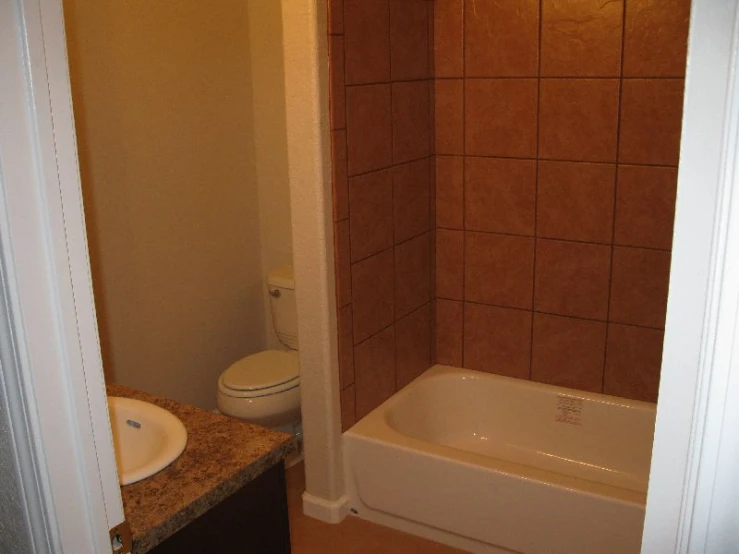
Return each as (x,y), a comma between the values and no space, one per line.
(253,520)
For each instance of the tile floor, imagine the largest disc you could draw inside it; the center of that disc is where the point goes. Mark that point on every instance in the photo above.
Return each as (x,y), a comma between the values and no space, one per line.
(351,536)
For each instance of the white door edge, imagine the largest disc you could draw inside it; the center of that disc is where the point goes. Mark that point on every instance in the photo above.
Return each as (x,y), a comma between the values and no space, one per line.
(683,501)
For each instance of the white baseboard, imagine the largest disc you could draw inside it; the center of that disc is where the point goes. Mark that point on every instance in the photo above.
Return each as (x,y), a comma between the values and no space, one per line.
(329,511)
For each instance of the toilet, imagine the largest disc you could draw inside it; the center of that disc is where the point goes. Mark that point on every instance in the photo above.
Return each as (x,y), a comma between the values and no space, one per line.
(264,388)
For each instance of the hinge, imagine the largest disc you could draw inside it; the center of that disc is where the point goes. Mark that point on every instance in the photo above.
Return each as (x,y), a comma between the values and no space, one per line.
(120,539)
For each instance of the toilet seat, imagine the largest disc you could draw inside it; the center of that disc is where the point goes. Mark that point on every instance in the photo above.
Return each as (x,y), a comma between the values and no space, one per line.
(262,374)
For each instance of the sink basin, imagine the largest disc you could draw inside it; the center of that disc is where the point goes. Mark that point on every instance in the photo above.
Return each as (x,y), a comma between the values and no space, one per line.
(147,438)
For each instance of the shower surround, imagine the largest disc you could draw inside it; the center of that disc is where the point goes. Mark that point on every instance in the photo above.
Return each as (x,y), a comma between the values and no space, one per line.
(511,182)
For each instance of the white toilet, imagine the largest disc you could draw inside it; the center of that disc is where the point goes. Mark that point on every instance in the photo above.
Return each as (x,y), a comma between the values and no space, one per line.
(264,388)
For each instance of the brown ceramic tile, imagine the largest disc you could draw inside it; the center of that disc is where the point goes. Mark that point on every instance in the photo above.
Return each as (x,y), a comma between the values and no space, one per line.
(497,340)
(651,121)
(645,206)
(500,195)
(336,17)
(432,261)
(411,121)
(373,293)
(633,362)
(411,199)
(492,28)
(581,39)
(639,286)
(340,182)
(337,99)
(367,32)
(449,192)
(432,191)
(432,323)
(449,264)
(342,257)
(578,119)
(412,274)
(575,201)
(348,411)
(572,278)
(369,128)
(568,352)
(493,131)
(409,40)
(412,346)
(656,38)
(449,332)
(448,122)
(430,51)
(374,366)
(371,213)
(499,269)
(346,346)
(448,38)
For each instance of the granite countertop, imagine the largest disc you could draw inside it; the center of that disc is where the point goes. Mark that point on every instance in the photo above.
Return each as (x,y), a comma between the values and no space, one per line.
(222,455)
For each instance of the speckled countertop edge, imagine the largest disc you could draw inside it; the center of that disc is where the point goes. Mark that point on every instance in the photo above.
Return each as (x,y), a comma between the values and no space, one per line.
(222,455)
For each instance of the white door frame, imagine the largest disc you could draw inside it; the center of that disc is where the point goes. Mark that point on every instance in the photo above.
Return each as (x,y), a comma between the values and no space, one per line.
(48,286)
(692,498)
(692,491)
(306,78)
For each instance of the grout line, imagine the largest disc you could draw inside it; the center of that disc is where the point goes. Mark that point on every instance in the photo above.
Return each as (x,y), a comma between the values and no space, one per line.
(392,189)
(433,184)
(555,78)
(615,191)
(536,188)
(553,314)
(386,168)
(464,169)
(389,325)
(388,82)
(373,335)
(348,220)
(401,243)
(558,239)
(348,189)
(556,160)
(416,310)
(452,78)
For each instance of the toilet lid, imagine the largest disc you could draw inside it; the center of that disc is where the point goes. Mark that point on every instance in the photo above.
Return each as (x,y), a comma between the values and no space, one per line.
(262,370)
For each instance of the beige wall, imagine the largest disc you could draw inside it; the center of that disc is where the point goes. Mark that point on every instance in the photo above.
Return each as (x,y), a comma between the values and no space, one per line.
(270,140)
(163,102)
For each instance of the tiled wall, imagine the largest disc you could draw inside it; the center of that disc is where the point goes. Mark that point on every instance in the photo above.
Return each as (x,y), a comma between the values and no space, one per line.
(557,140)
(382,141)
(504,180)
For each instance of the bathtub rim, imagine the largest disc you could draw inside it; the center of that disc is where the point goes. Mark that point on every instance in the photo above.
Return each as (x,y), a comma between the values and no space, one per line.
(441,369)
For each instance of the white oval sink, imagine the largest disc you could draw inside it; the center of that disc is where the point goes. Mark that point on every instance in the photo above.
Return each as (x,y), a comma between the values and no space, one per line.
(147,438)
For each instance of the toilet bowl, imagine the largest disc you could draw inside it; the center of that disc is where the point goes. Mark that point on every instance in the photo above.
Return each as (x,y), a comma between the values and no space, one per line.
(264,387)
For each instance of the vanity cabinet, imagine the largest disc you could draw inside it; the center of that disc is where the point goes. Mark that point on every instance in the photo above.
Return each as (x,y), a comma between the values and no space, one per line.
(253,520)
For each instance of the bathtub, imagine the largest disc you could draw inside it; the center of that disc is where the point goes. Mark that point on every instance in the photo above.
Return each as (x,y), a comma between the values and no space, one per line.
(492,464)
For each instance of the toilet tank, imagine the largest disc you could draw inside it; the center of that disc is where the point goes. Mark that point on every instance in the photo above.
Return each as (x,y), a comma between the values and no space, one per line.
(281,285)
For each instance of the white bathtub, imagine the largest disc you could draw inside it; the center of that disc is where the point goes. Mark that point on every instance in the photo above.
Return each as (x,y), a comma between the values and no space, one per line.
(491,464)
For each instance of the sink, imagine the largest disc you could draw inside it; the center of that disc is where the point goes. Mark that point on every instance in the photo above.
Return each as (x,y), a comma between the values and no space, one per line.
(147,438)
